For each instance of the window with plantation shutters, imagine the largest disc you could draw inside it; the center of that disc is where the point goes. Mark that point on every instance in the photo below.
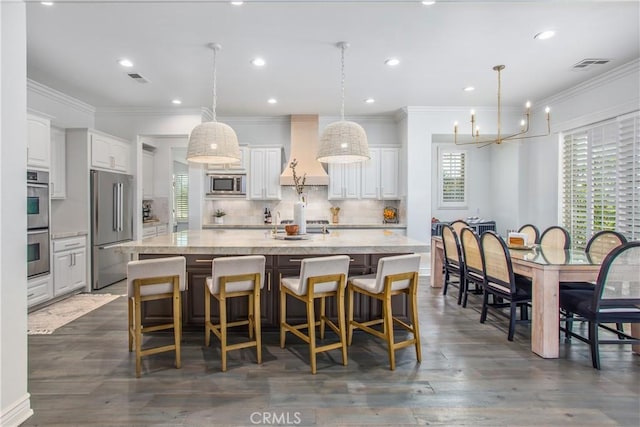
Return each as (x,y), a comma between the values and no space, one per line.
(452,172)
(601,179)
(181,191)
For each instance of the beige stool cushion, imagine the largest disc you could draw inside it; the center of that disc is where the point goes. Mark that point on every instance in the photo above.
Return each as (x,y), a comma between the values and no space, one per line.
(231,266)
(387,266)
(157,267)
(312,267)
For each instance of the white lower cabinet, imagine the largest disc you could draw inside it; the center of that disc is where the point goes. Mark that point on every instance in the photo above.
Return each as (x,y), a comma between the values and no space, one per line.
(154,230)
(39,290)
(69,265)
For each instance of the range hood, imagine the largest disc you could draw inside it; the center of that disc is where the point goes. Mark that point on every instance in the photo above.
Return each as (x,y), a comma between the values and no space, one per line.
(304,148)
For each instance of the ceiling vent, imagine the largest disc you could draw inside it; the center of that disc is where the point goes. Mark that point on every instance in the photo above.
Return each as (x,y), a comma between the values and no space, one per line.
(587,64)
(137,77)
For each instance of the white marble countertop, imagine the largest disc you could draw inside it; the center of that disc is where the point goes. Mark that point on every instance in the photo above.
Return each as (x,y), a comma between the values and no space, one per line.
(309,226)
(246,242)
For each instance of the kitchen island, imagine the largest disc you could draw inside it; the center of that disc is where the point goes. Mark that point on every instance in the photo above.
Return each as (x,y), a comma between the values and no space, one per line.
(199,247)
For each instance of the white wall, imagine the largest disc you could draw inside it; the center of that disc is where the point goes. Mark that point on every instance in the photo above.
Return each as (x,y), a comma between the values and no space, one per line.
(15,405)
(65,111)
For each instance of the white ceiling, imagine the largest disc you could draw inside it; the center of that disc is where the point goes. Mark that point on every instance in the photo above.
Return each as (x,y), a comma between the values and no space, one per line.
(74,46)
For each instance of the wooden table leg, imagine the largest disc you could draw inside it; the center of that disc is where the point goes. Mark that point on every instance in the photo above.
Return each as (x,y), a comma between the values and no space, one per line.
(437,261)
(635,332)
(545,334)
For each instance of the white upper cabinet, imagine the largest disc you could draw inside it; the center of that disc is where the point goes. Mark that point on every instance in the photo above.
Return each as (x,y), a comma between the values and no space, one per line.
(109,153)
(264,173)
(344,181)
(147,174)
(38,141)
(380,174)
(233,167)
(58,174)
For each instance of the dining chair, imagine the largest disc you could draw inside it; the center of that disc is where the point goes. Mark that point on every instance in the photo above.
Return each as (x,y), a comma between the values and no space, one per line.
(453,261)
(556,237)
(320,277)
(615,298)
(532,232)
(500,282)
(458,225)
(233,277)
(151,280)
(396,275)
(473,267)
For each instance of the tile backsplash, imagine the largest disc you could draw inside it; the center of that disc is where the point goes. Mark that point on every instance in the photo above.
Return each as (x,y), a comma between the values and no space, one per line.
(240,212)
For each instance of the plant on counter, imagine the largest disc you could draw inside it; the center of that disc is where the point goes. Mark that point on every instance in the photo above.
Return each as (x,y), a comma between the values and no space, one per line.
(296,179)
(219,213)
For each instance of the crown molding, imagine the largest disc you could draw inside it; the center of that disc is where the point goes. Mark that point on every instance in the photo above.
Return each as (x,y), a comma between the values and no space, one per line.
(622,71)
(147,111)
(54,95)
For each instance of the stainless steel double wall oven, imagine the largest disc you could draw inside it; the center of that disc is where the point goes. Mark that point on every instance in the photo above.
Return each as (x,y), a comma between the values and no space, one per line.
(38,262)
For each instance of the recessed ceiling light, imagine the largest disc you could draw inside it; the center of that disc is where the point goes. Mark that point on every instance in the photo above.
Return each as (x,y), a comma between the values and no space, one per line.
(125,62)
(469,89)
(176,101)
(46,3)
(237,3)
(272,101)
(258,62)
(428,3)
(392,62)
(369,100)
(544,35)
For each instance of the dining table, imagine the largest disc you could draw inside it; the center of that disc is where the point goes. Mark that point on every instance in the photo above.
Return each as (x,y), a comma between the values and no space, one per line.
(546,267)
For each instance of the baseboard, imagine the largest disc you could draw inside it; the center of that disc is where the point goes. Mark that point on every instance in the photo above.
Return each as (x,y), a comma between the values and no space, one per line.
(17,413)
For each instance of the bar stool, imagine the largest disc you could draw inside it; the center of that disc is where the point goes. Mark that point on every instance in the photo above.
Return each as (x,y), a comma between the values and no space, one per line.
(149,280)
(233,277)
(319,278)
(396,275)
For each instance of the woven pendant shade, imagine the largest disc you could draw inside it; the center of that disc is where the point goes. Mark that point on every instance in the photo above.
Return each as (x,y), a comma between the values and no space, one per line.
(213,142)
(343,142)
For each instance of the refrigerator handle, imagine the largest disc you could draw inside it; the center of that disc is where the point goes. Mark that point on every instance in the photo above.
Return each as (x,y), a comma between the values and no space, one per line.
(121,205)
(115,207)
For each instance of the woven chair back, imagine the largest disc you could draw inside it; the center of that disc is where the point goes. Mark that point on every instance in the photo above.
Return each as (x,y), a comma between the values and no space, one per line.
(497,262)
(471,250)
(602,243)
(618,283)
(532,232)
(555,237)
(458,225)
(451,246)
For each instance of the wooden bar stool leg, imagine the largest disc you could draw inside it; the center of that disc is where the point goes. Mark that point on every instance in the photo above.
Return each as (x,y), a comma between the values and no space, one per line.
(138,331)
(257,323)
(341,323)
(177,323)
(350,315)
(283,316)
(388,330)
(131,324)
(223,330)
(323,307)
(251,324)
(414,320)
(207,317)
(312,331)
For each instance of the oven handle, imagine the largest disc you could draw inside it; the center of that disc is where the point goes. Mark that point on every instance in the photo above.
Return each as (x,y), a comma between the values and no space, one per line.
(37,231)
(37,185)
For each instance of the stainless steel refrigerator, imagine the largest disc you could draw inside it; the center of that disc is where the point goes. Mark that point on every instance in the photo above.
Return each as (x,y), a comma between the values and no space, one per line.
(111,223)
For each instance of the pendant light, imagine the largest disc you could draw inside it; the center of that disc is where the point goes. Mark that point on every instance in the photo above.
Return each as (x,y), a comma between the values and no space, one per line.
(213,142)
(343,141)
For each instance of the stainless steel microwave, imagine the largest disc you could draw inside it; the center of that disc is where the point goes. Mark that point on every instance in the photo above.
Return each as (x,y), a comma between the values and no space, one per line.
(227,185)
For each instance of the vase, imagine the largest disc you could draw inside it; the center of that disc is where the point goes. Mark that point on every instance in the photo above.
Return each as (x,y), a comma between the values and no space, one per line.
(218,219)
(299,214)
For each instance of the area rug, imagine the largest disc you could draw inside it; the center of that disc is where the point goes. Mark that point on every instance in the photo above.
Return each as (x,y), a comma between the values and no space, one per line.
(46,320)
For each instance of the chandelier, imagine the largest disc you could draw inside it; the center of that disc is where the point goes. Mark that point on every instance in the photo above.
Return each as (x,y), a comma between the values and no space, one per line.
(500,138)
(213,142)
(343,141)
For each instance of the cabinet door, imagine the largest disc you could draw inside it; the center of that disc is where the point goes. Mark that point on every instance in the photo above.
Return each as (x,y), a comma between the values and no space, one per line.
(352,181)
(101,152)
(147,174)
(243,165)
(78,277)
(336,184)
(58,175)
(62,266)
(39,290)
(272,171)
(38,141)
(389,173)
(120,154)
(256,174)
(371,175)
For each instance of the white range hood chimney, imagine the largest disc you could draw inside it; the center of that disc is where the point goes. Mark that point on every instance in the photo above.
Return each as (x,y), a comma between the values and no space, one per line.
(304,148)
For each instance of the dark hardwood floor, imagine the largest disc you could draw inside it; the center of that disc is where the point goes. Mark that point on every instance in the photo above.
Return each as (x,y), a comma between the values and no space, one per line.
(84,375)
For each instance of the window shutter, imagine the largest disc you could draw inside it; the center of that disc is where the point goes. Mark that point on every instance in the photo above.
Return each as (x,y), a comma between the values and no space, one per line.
(182,197)
(453,186)
(601,179)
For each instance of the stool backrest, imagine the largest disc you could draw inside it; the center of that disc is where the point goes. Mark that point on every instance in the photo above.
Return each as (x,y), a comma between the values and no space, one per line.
(396,265)
(323,266)
(237,265)
(157,267)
